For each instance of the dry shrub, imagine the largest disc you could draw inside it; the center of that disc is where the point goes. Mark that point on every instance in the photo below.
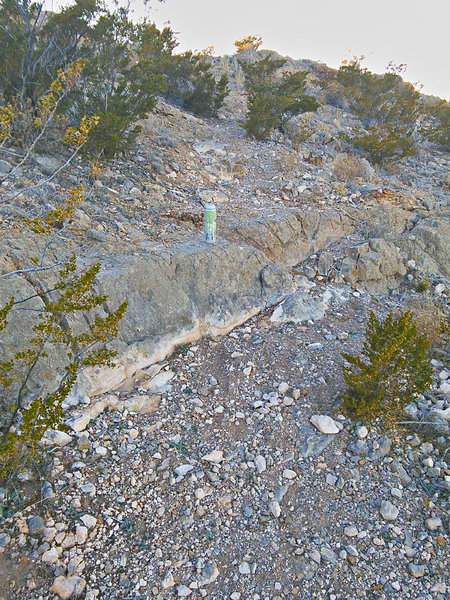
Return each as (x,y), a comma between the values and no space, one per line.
(432,319)
(347,167)
(287,162)
(239,169)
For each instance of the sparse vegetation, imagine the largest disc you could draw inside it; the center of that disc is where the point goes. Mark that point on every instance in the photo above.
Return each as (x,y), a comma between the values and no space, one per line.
(125,67)
(247,42)
(349,168)
(271,97)
(393,367)
(27,411)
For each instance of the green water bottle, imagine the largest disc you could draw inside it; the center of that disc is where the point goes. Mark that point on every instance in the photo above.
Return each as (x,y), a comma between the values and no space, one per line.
(209,217)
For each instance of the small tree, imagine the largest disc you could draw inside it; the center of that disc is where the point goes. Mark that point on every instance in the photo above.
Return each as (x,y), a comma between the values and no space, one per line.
(189,79)
(389,109)
(67,321)
(394,367)
(248,42)
(272,99)
(435,125)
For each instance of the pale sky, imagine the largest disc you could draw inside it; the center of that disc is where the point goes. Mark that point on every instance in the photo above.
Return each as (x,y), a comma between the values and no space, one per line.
(415,32)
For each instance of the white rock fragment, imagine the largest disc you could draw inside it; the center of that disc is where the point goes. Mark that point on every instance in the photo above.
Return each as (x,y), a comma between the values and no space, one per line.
(275,509)
(289,474)
(133,433)
(362,432)
(168,581)
(350,531)
(209,574)
(182,470)
(244,568)
(89,521)
(57,438)
(68,587)
(183,591)
(79,423)
(388,510)
(260,463)
(216,456)
(433,523)
(283,388)
(81,533)
(50,557)
(324,424)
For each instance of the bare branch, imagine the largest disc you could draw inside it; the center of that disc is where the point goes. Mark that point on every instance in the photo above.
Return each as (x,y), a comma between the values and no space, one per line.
(32,270)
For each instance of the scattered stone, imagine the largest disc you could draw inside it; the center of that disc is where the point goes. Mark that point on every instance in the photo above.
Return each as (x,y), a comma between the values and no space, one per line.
(433,523)
(314,445)
(216,456)
(260,463)
(183,591)
(417,571)
(388,510)
(324,424)
(89,521)
(289,474)
(68,587)
(351,531)
(244,568)
(36,525)
(58,438)
(182,470)
(168,581)
(209,574)
(362,432)
(275,509)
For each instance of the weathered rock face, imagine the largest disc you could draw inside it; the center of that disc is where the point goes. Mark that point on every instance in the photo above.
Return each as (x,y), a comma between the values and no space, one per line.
(428,244)
(292,236)
(178,297)
(376,264)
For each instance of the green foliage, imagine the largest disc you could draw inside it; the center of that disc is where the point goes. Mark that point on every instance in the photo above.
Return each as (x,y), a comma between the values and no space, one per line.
(127,66)
(436,124)
(272,99)
(34,44)
(25,414)
(188,76)
(393,368)
(116,87)
(27,421)
(388,107)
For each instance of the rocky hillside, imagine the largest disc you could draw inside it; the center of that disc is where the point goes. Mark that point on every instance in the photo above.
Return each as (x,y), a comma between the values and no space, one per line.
(213,460)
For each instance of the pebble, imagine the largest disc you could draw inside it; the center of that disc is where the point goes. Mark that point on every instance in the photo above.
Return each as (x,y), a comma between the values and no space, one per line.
(416,571)
(351,531)
(362,432)
(168,581)
(244,568)
(283,388)
(388,510)
(68,587)
(260,463)
(275,509)
(324,424)
(183,591)
(182,470)
(36,525)
(433,523)
(216,456)
(89,521)
(289,474)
